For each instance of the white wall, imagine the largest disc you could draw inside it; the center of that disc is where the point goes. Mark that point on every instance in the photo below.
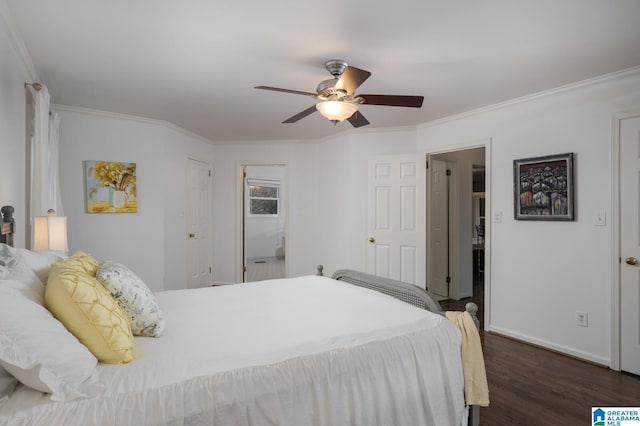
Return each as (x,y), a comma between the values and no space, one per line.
(14,72)
(178,148)
(327,198)
(263,235)
(302,174)
(152,241)
(343,164)
(542,272)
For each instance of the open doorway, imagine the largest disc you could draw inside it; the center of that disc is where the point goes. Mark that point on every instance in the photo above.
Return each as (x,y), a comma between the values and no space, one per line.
(264,222)
(456,227)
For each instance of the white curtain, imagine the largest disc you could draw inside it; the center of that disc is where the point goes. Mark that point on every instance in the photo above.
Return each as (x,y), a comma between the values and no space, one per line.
(45,179)
(53,169)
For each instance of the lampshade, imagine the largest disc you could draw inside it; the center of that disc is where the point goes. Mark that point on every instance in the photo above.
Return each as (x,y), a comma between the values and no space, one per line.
(336,110)
(50,233)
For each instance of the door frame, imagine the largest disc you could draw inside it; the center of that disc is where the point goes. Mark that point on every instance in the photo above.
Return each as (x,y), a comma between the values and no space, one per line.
(240,214)
(616,237)
(454,248)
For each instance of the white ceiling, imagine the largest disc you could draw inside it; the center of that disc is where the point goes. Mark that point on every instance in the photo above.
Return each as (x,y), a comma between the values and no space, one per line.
(194,63)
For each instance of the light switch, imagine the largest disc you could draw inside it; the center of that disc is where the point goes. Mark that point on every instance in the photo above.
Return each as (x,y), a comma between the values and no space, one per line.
(600,218)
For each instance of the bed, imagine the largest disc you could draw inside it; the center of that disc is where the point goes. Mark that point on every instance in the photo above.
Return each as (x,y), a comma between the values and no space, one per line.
(303,351)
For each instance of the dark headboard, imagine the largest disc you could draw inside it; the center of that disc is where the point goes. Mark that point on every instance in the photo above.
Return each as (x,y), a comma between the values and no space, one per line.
(8,227)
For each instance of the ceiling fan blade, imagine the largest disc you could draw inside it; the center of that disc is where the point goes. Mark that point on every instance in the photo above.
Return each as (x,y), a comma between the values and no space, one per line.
(358,120)
(277,89)
(300,115)
(351,79)
(393,100)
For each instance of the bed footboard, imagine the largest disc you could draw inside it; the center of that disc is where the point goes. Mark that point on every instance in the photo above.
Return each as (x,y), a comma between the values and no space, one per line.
(408,293)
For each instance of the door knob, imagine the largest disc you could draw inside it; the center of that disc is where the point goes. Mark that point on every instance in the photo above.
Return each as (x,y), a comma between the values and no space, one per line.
(631,261)
(192,235)
(372,240)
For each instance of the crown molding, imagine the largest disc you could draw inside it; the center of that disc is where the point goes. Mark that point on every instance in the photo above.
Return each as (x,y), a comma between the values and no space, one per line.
(169,125)
(266,142)
(17,42)
(117,116)
(369,130)
(339,135)
(561,89)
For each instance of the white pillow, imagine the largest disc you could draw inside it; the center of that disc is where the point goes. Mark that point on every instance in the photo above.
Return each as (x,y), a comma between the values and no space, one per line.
(37,261)
(6,252)
(7,263)
(36,348)
(134,297)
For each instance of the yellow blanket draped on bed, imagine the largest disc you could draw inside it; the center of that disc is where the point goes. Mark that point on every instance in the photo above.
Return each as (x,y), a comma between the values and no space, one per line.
(476,390)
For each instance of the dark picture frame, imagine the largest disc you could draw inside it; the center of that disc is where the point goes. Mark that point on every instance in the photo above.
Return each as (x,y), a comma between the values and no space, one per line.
(543,188)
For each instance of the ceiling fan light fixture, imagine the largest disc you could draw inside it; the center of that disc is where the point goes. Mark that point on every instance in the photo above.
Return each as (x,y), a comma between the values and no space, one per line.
(337,99)
(336,110)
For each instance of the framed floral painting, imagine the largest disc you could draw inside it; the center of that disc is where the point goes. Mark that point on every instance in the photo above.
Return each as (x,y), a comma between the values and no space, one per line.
(110,187)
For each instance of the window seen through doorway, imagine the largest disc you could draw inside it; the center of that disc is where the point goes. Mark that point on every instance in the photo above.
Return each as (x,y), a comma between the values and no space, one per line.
(264,198)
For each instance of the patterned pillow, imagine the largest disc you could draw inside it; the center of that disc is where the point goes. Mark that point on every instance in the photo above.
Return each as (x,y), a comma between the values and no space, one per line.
(88,311)
(8,260)
(134,297)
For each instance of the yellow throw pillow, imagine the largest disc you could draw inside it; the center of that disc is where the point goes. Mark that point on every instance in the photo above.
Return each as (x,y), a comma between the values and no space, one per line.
(88,311)
(88,263)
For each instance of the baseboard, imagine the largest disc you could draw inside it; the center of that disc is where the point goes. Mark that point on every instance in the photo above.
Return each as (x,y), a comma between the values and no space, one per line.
(564,350)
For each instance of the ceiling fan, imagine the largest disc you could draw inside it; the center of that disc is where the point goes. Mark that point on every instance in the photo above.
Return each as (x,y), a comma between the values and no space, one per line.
(338,102)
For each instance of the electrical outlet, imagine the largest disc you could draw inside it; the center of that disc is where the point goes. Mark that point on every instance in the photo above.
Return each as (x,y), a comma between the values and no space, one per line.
(497,217)
(582,319)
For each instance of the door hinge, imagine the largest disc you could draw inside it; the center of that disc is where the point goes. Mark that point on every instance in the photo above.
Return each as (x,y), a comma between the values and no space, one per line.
(209,173)
(448,172)
(209,269)
(427,165)
(448,280)
(244,269)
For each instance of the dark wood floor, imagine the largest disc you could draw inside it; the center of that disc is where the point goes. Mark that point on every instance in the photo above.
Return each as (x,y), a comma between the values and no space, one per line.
(529,385)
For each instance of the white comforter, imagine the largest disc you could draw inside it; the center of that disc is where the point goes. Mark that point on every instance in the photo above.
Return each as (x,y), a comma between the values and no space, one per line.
(305,351)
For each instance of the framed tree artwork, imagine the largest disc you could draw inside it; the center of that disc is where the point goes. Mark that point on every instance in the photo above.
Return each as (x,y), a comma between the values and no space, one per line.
(543,188)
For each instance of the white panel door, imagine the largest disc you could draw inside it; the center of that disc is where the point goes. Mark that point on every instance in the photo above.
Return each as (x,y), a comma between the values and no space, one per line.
(396,199)
(198,224)
(630,244)
(438,258)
